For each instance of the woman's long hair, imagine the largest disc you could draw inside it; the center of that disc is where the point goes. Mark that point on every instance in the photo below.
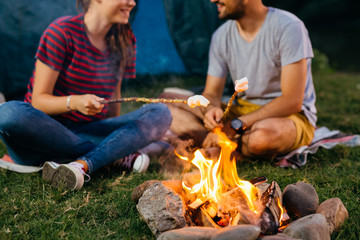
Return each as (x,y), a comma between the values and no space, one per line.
(119,40)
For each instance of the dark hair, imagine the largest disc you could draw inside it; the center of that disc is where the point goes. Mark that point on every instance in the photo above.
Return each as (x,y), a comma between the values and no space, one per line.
(120,42)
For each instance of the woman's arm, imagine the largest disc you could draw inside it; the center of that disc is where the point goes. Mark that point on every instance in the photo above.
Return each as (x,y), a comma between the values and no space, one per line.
(44,100)
(114,108)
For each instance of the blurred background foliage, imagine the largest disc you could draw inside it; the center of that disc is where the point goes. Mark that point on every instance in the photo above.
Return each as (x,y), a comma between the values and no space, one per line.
(333,28)
(174,35)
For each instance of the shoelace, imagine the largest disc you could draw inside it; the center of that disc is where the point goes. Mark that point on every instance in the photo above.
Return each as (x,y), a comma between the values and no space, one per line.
(127,161)
(81,169)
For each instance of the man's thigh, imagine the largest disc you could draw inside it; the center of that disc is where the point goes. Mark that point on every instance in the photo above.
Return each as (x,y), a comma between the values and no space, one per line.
(304,130)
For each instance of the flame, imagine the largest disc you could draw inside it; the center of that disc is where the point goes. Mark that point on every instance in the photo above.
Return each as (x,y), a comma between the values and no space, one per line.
(221,176)
(281,210)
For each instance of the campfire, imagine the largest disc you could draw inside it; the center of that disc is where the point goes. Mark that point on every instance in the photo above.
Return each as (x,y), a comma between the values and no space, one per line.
(220,197)
(214,199)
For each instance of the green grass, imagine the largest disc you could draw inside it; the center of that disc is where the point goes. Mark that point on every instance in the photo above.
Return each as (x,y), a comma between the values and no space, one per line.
(102,209)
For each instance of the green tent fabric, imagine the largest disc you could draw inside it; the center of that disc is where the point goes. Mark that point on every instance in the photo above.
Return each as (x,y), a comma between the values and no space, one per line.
(191,24)
(21,25)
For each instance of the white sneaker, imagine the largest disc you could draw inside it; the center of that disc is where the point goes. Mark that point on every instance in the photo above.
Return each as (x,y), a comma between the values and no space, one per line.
(137,162)
(69,176)
(141,163)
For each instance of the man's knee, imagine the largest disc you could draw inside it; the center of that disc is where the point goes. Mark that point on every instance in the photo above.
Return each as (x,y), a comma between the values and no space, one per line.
(262,141)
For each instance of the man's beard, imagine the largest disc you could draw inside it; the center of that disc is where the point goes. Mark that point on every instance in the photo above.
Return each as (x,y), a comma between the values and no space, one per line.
(235,14)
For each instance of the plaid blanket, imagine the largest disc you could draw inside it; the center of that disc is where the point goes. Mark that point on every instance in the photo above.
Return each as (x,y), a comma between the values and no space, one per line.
(323,137)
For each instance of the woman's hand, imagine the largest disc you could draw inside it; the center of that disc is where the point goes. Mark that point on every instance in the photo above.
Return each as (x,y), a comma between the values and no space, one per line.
(213,117)
(88,104)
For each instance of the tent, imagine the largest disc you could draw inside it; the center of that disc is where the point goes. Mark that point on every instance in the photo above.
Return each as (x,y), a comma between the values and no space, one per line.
(173,36)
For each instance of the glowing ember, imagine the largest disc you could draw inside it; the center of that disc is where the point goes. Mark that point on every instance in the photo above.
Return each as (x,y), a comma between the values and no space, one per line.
(220,177)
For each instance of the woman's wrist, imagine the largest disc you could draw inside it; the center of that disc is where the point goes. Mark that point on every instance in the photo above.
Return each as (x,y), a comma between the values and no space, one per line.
(68,103)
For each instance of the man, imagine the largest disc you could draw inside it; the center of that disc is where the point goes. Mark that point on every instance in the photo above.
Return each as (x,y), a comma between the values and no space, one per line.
(270,47)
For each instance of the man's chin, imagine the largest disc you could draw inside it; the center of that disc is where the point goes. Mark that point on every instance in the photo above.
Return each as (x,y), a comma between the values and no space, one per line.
(221,16)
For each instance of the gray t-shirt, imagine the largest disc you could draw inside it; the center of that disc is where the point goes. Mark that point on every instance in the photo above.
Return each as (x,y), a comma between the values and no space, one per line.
(282,40)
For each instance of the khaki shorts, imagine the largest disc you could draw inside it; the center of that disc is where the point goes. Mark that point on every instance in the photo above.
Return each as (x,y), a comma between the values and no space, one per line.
(304,129)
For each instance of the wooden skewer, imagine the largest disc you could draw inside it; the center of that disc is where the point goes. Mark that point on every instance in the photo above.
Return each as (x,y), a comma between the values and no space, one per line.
(240,85)
(145,100)
(228,106)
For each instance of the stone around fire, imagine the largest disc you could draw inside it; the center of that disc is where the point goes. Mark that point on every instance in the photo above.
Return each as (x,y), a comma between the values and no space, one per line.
(189,233)
(311,227)
(162,208)
(279,236)
(335,213)
(244,232)
(300,199)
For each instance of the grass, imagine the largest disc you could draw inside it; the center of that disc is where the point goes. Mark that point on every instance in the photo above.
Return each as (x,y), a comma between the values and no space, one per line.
(102,209)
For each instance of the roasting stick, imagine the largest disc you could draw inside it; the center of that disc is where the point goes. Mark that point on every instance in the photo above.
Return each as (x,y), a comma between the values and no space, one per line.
(193,101)
(240,86)
(145,100)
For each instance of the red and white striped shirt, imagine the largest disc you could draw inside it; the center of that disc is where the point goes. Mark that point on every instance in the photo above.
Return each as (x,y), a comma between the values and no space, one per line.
(65,47)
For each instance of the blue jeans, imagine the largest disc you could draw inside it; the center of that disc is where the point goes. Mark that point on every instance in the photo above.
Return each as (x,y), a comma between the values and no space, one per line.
(32,137)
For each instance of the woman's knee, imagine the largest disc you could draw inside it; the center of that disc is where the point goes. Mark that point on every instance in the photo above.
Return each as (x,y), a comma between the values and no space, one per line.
(156,122)
(11,113)
(161,115)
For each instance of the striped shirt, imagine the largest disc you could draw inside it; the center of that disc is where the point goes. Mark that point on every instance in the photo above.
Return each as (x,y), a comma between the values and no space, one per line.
(65,47)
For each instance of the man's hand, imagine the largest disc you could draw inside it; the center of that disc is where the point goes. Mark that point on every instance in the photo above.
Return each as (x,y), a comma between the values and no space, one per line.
(211,141)
(213,117)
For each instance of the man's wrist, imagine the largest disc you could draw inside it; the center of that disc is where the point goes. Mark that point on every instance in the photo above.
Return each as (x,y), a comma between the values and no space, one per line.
(238,125)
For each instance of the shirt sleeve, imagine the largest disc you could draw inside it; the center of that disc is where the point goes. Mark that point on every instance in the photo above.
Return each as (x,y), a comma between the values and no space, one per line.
(217,64)
(130,68)
(52,47)
(295,43)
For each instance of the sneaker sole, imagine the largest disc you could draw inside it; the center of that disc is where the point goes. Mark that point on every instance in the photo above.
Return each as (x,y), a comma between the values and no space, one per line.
(65,177)
(48,171)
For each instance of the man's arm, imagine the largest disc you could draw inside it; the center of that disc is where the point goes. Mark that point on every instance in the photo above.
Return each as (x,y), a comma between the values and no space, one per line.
(293,80)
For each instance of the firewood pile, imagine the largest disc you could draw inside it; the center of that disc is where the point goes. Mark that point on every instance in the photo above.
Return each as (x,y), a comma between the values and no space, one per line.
(294,213)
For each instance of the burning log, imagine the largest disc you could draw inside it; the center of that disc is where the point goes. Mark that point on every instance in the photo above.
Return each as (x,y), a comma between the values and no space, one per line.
(204,219)
(269,221)
(197,203)
(258,180)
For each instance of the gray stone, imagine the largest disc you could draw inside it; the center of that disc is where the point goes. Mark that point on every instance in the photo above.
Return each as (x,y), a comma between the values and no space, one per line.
(162,208)
(139,190)
(300,199)
(279,236)
(189,233)
(310,227)
(335,213)
(243,232)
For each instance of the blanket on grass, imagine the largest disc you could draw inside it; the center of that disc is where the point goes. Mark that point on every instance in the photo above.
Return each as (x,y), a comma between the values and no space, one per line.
(323,138)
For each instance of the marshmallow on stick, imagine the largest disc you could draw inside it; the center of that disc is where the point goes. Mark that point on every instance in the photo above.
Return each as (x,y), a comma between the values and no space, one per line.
(193,101)
(240,86)
(197,100)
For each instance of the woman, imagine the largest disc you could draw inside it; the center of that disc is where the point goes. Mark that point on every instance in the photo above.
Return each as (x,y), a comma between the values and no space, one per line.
(80,61)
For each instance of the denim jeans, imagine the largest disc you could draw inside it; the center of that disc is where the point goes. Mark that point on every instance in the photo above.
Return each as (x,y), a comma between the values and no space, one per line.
(32,137)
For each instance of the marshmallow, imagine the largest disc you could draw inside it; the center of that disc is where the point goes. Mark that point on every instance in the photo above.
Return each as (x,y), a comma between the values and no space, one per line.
(197,100)
(241,85)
